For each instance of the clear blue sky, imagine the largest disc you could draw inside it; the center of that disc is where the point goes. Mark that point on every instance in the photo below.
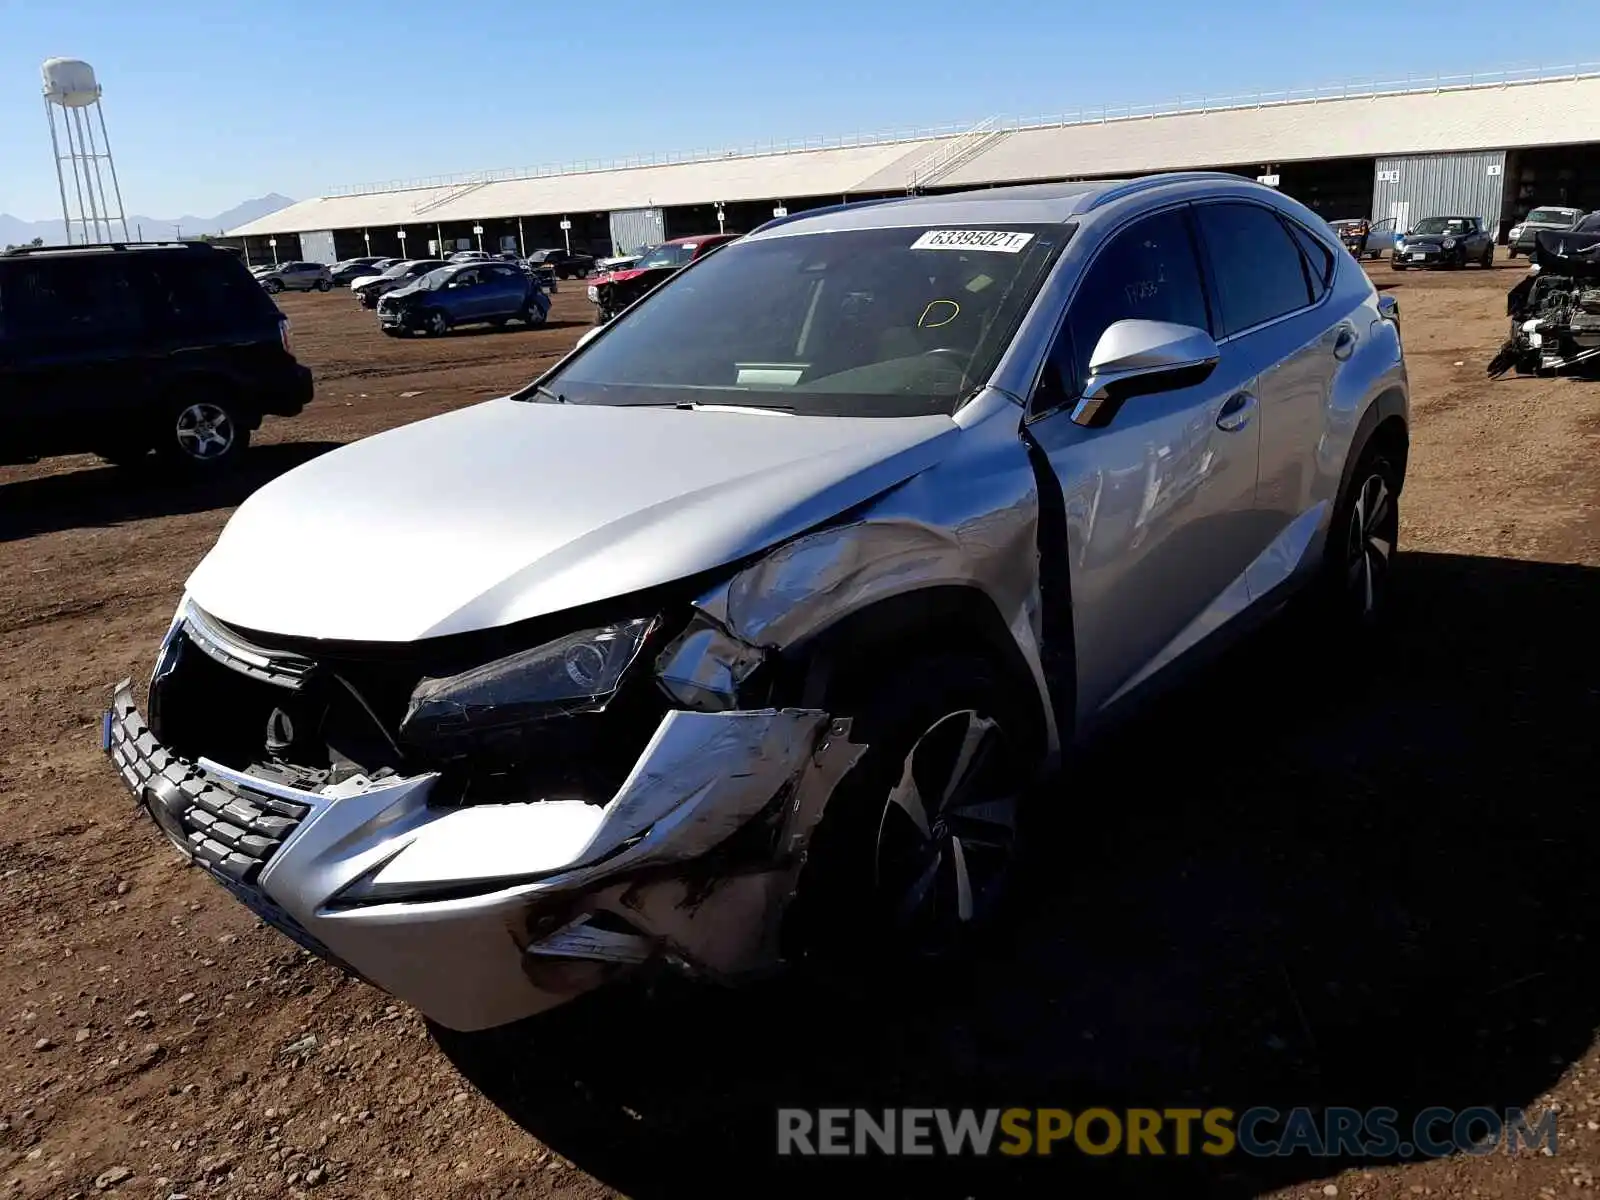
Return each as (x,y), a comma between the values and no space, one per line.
(211,103)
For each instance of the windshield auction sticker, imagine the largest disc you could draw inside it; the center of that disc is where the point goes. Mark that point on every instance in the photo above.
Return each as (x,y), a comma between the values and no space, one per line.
(999,240)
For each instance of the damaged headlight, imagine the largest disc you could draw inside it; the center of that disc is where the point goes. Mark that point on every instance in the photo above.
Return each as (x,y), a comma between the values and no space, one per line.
(577,673)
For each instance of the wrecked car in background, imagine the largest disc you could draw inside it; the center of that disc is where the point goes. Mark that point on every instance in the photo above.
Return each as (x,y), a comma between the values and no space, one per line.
(736,638)
(620,286)
(1554,308)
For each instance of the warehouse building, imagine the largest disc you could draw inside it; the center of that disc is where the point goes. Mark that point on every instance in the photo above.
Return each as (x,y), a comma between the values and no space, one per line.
(1487,146)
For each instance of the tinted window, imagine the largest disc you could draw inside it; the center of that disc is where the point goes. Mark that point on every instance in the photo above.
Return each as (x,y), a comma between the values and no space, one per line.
(1146,272)
(1256,263)
(1319,259)
(87,298)
(500,272)
(203,293)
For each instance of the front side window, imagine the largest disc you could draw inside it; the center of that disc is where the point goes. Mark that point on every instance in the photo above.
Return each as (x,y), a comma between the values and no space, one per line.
(1148,272)
(1258,268)
(869,322)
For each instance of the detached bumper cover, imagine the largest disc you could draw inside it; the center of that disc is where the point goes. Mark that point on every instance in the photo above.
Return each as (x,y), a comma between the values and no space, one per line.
(481,916)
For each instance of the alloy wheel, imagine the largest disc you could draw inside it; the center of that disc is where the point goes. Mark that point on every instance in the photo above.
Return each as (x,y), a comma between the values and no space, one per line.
(204,431)
(947,833)
(1369,546)
(438,325)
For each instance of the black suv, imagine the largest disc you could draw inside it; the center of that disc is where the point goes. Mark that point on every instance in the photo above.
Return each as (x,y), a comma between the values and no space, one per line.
(124,349)
(568,264)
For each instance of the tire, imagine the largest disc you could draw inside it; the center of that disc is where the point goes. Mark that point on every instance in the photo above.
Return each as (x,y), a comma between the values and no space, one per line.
(273,287)
(437,324)
(1511,251)
(1487,261)
(892,879)
(203,433)
(1396,264)
(324,285)
(1358,559)
(533,317)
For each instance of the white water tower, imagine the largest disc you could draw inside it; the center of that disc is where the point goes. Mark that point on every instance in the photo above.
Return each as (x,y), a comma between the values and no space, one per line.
(72,93)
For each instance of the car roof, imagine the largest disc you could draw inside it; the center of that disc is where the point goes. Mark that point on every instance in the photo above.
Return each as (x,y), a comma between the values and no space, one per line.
(1024,204)
(696,239)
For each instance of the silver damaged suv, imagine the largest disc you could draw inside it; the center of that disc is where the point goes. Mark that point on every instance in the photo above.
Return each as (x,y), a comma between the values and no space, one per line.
(736,637)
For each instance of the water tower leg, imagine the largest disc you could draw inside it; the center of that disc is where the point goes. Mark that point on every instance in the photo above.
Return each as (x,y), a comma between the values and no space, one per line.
(61,182)
(99,184)
(105,138)
(77,178)
(88,182)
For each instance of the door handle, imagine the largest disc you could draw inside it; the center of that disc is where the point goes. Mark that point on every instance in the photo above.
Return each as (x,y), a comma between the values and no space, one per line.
(1236,412)
(1345,344)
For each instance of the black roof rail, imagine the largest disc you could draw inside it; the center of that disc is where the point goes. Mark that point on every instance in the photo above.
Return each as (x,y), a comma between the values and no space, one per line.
(186,244)
(1146,182)
(828,208)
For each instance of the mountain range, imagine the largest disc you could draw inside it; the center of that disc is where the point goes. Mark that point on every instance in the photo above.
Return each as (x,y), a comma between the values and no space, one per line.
(14,230)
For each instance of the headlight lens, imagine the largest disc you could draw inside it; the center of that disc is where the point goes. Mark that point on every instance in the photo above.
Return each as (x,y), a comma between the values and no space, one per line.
(577,673)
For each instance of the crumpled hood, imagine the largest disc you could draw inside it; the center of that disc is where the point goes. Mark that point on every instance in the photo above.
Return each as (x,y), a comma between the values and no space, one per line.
(618,276)
(509,510)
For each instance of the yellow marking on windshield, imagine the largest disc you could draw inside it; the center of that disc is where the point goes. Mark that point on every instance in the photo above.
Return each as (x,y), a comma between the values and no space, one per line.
(924,323)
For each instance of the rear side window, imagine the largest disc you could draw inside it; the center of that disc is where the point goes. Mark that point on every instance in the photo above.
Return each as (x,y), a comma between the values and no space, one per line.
(1319,259)
(1260,271)
(78,299)
(205,294)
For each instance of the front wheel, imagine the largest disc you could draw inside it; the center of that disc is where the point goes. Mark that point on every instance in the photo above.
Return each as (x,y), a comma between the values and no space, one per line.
(1397,265)
(273,287)
(913,856)
(1511,252)
(533,316)
(437,323)
(324,285)
(1487,261)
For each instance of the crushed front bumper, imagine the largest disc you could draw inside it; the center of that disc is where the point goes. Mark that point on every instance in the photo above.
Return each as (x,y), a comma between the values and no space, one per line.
(483,915)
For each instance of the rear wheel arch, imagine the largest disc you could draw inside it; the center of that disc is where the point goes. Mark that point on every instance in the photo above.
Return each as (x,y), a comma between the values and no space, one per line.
(1383,426)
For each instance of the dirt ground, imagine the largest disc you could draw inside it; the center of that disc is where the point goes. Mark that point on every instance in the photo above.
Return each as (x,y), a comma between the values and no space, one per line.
(1295,883)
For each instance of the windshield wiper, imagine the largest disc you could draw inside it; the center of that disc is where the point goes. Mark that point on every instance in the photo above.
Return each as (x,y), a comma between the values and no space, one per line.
(698,406)
(541,390)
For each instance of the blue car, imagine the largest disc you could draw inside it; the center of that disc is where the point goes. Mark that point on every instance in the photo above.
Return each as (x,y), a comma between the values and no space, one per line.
(471,293)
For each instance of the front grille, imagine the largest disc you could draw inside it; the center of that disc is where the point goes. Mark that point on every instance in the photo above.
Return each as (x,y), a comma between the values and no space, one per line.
(228,830)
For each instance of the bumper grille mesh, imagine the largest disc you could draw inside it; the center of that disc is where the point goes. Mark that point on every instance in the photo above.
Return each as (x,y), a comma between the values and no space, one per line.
(234,833)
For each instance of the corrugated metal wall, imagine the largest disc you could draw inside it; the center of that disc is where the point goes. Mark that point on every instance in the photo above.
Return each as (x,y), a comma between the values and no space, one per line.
(635,227)
(316,247)
(1439,185)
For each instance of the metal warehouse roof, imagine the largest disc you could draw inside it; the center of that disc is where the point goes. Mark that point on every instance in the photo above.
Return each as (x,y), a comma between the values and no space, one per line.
(1550,113)
(763,177)
(1316,124)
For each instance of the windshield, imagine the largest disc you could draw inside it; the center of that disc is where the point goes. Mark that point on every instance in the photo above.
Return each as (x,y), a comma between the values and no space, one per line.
(868,323)
(436,279)
(396,271)
(666,256)
(1552,216)
(1442,225)
(1590,224)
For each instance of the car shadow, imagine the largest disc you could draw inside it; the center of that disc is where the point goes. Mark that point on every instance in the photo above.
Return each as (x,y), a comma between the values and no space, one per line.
(1306,879)
(106,495)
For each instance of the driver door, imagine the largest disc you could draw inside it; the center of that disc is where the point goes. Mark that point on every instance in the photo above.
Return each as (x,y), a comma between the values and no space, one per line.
(1160,500)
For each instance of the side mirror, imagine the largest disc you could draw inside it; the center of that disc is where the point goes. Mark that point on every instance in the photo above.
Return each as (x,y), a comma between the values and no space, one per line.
(1136,358)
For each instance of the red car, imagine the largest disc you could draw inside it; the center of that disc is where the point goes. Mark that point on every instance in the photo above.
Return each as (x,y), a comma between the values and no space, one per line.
(612,293)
